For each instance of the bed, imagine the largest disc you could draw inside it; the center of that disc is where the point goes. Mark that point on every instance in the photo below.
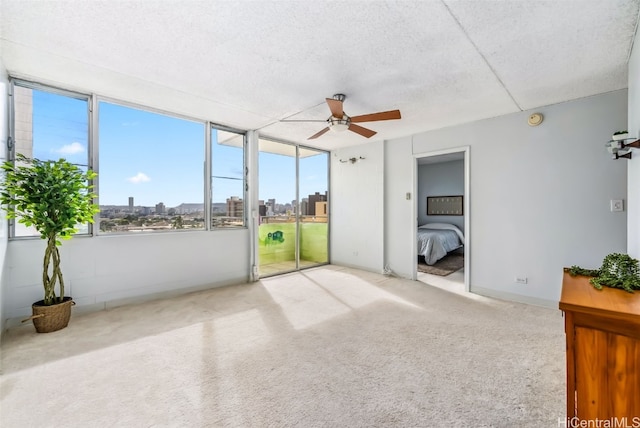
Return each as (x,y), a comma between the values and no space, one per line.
(436,240)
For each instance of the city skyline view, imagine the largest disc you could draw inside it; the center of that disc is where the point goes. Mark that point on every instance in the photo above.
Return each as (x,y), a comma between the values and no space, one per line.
(151,157)
(200,205)
(151,166)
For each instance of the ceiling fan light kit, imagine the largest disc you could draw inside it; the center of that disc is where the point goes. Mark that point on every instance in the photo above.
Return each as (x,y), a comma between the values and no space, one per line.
(339,121)
(339,125)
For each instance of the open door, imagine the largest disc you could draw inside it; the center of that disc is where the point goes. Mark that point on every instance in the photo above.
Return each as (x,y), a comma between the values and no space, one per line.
(442,232)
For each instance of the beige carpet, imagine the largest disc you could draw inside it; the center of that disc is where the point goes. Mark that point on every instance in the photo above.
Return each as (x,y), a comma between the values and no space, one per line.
(329,347)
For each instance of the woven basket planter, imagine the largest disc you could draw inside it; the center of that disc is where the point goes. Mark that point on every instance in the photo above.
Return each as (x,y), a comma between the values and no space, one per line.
(51,318)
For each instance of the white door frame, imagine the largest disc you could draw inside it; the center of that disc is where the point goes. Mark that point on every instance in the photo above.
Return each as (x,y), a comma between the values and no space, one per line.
(466,208)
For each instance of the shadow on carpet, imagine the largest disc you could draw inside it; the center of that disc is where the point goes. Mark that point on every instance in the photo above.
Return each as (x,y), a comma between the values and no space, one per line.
(447,265)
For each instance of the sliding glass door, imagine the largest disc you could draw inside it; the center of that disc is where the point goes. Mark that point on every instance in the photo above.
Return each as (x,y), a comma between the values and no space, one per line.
(277,231)
(293,208)
(314,207)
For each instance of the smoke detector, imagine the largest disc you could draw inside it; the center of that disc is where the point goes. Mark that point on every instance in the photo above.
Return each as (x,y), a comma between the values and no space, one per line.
(535,119)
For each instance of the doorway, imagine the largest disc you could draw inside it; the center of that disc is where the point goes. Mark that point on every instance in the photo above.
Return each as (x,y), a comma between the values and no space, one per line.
(442,177)
(293,214)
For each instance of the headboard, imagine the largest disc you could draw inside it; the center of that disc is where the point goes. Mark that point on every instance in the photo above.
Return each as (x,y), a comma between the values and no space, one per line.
(444,205)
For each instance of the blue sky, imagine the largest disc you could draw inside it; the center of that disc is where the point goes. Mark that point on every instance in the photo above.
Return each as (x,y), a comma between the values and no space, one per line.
(157,158)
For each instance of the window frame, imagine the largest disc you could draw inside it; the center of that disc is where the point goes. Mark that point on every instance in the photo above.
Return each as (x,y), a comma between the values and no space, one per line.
(93,101)
(209,174)
(11,146)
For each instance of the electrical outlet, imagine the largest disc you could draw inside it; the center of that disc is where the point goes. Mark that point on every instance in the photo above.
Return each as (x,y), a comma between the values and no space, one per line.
(617,205)
(521,280)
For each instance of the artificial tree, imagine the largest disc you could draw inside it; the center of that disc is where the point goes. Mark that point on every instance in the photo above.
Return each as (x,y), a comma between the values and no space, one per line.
(54,197)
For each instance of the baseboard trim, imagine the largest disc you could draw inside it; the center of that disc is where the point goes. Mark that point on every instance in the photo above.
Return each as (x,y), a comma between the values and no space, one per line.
(512,297)
(81,309)
(353,266)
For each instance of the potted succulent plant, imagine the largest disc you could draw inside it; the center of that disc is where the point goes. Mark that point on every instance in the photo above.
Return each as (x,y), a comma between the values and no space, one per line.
(617,271)
(620,135)
(54,197)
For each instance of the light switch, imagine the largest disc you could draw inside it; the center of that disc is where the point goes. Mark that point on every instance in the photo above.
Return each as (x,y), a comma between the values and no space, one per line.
(617,205)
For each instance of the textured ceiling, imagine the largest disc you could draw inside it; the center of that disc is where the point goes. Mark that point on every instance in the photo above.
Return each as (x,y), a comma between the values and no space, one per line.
(250,64)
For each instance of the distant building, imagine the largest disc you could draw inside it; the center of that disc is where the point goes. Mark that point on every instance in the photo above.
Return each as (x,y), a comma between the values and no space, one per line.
(130,204)
(312,202)
(270,208)
(235,207)
(262,208)
(321,209)
(304,206)
(23,100)
(160,208)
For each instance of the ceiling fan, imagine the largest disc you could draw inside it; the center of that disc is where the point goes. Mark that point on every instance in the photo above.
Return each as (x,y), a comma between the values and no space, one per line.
(339,121)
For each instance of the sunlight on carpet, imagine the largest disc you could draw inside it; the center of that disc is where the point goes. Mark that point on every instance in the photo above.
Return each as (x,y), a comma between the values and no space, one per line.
(315,296)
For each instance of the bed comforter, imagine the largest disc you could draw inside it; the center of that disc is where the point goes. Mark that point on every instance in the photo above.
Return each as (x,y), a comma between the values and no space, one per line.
(434,244)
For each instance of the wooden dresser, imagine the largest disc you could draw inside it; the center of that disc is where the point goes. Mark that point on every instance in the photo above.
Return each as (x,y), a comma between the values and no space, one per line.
(603,351)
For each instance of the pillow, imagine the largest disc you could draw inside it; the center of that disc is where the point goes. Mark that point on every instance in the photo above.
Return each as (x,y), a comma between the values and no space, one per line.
(436,226)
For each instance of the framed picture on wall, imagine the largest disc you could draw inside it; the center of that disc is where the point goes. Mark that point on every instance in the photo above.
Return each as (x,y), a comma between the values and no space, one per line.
(444,205)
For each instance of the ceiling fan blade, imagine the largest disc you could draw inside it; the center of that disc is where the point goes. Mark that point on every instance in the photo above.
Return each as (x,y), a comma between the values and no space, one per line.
(383,115)
(362,131)
(317,134)
(336,108)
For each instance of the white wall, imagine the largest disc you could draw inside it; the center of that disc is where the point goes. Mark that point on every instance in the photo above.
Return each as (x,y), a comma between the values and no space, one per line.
(633,178)
(440,179)
(356,207)
(108,270)
(4,132)
(400,217)
(539,195)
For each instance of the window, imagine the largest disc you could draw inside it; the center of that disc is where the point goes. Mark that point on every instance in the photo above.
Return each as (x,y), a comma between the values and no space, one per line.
(150,171)
(50,124)
(152,167)
(227,179)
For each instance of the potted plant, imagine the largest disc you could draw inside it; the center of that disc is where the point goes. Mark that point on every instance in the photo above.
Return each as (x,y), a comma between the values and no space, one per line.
(620,135)
(617,271)
(54,197)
